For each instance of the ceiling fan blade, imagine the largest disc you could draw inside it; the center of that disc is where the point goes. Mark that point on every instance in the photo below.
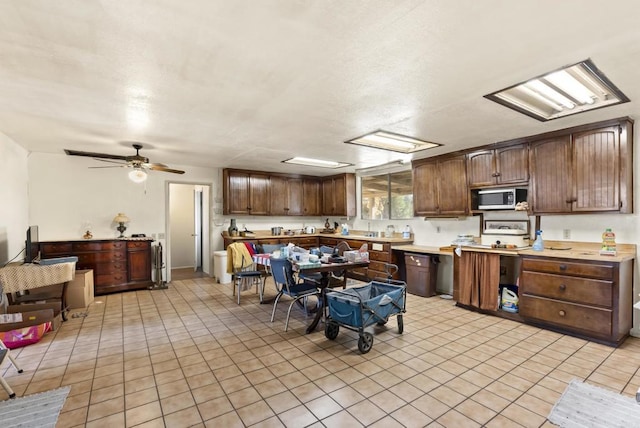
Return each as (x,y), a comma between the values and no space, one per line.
(114,166)
(149,165)
(112,161)
(94,155)
(156,167)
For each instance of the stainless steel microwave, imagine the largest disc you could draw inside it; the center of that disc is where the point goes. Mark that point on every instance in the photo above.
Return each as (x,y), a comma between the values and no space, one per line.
(501,199)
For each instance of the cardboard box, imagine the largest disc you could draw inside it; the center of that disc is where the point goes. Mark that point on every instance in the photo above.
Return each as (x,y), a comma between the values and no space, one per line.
(31,318)
(356,256)
(28,308)
(80,290)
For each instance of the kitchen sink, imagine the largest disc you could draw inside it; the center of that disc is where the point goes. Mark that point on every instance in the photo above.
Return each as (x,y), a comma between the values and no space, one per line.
(371,234)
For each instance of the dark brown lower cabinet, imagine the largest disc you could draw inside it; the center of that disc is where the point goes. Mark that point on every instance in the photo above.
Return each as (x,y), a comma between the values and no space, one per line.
(117,264)
(591,299)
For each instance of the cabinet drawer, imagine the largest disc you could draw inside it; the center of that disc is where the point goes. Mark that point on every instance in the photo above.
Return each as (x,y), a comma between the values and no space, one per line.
(111,256)
(579,290)
(137,245)
(99,246)
(111,279)
(110,268)
(419,260)
(562,267)
(55,248)
(380,256)
(564,314)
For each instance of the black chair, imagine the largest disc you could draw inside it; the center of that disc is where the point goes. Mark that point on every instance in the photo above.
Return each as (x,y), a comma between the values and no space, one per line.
(285,281)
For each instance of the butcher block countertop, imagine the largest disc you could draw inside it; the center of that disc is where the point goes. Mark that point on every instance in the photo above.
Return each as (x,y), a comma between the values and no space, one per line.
(424,249)
(563,249)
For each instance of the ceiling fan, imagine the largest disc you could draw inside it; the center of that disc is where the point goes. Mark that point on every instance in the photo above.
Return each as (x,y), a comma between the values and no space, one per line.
(139,163)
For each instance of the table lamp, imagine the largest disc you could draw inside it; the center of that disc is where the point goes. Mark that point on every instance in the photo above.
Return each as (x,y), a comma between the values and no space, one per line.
(121,219)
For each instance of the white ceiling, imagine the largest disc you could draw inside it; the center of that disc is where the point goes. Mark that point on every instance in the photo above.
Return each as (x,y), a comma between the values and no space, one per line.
(249,83)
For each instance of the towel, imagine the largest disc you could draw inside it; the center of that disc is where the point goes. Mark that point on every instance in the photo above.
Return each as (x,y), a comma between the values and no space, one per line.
(236,254)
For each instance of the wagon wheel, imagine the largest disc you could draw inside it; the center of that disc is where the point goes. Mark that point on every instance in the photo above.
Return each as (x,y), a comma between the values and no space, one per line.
(400,324)
(365,342)
(331,330)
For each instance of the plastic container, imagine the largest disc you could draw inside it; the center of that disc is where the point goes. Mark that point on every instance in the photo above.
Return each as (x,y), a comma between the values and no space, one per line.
(509,301)
(538,244)
(220,267)
(608,242)
(406,233)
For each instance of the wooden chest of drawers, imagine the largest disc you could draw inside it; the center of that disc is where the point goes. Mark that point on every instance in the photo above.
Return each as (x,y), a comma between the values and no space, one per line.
(592,299)
(118,265)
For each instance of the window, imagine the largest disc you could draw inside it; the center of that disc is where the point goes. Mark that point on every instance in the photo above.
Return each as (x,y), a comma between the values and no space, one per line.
(387,196)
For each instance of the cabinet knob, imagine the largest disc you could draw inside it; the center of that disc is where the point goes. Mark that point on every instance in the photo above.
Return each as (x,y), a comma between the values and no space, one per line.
(563,267)
(563,287)
(562,313)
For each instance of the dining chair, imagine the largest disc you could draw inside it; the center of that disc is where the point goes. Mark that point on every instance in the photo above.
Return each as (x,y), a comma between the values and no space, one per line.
(286,284)
(244,274)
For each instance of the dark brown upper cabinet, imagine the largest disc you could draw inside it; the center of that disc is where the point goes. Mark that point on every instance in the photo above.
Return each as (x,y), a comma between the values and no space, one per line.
(508,165)
(286,195)
(585,169)
(246,192)
(339,195)
(440,186)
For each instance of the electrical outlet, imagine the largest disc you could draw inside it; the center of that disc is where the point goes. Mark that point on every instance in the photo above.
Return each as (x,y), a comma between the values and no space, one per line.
(437,229)
(566,233)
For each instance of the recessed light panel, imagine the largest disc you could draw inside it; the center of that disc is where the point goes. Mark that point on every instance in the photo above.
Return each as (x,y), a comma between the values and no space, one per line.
(394,142)
(570,90)
(316,162)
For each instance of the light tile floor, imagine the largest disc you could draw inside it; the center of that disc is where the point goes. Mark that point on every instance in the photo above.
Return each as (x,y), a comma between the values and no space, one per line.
(190,356)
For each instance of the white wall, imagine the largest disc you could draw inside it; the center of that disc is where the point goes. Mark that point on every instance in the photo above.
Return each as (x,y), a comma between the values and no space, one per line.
(65,194)
(182,225)
(14,201)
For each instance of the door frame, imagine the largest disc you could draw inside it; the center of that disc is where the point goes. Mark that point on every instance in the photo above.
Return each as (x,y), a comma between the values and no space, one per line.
(206,235)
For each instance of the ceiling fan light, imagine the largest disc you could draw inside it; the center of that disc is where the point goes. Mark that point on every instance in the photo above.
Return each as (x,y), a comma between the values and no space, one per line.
(137,175)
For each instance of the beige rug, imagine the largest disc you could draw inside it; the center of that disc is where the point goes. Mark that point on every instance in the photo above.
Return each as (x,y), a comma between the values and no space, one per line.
(584,405)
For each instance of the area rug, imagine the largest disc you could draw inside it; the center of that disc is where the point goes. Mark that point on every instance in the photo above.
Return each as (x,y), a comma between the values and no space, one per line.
(584,405)
(37,410)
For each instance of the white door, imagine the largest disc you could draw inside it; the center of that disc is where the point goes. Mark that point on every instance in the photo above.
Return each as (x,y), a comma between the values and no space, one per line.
(197,227)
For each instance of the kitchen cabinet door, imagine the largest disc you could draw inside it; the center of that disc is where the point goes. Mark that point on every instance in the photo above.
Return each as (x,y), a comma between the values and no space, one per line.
(286,196)
(259,194)
(440,187)
(339,195)
(246,192)
(311,201)
(425,189)
(596,170)
(551,168)
(236,192)
(139,260)
(499,166)
(453,193)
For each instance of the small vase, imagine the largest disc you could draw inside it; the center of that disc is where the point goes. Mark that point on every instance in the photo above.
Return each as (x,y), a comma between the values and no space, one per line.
(233,229)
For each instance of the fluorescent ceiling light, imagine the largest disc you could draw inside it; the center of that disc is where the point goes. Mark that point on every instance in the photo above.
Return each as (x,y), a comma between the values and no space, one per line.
(570,90)
(394,142)
(316,162)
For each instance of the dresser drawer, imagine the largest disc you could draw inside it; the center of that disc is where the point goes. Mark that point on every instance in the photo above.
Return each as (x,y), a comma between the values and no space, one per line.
(99,246)
(106,257)
(579,290)
(111,279)
(138,245)
(52,248)
(562,267)
(109,268)
(564,314)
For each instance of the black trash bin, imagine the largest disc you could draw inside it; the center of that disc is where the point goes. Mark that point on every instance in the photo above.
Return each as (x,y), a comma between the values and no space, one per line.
(421,274)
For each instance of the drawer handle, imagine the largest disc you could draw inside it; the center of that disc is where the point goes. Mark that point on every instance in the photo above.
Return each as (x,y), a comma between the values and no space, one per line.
(562,313)
(563,287)
(563,267)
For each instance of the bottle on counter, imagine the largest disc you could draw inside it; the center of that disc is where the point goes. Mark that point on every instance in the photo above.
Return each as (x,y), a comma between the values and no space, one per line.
(406,233)
(538,244)
(608,242)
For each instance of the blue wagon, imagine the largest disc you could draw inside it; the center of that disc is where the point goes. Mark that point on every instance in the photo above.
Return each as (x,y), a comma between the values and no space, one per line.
(359,307)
